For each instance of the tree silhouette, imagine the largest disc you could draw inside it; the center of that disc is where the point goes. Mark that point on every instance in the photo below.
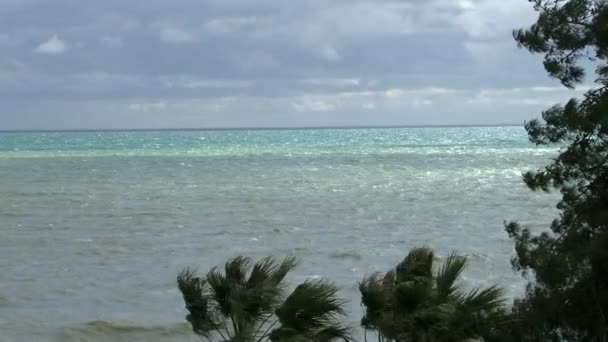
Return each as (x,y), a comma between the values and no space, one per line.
(413,303)
(246,303)
(568,298)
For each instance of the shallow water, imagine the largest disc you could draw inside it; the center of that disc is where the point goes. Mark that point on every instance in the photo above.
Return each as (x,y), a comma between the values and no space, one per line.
(95,226)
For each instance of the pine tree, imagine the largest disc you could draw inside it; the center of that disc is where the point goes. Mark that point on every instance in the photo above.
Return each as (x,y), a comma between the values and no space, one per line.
(568,296)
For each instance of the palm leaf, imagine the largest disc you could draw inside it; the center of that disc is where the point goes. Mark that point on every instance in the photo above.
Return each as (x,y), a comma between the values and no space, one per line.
(332,333)
(288,264)
(220,290)
(410,304)
(267,270)
(194,291)
(411,295)
(418,263)
(448,274)
(479,312)
(237,269)
(374,294)
(312,307)
(489,299)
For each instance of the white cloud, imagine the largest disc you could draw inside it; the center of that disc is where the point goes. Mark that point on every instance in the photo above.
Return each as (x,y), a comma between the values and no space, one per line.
(431,91)
(492,18)
(534,101)
(53,46)
(529,96)
(330,53)
(421,102)
(466,4)
(173,35)
(191,83)
(229,25)
(112,42)
(258,61)
(333,82)
(147,107)
(368,105)
(393,93)
(313,104)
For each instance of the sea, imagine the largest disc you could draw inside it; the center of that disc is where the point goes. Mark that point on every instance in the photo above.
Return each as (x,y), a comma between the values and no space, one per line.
(95,226)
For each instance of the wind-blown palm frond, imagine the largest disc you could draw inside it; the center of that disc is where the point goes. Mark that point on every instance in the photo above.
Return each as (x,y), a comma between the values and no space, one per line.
(487,299)
(448,274)
(246,302)
(408,296)
(412,304)
(332,333)
(267,270)
(374,299)
(418,263)
(286,266)
(236,269)
(312,309)
(480,312)
(196,297)
(220,290)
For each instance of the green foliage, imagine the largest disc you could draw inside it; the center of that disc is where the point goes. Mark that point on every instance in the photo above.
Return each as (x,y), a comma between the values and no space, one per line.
(247,303)
(569,295)
(412,303)
(311,313)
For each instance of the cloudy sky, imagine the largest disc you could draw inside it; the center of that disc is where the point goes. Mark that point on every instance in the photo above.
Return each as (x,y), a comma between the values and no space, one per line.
(69,64)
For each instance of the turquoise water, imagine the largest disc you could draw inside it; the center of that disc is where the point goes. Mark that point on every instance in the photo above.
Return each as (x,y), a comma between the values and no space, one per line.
(95,226)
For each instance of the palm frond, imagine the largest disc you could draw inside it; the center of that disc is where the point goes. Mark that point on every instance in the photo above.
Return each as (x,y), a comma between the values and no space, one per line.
(448,274)
(220,290)
(261,272)
(418,263)
(489,299)
(374,294)
(412,304)
(236,269)
(194,291)
(287,265)
(251,305)
(332,333)
(479,313)
(312,306)
(268,271)
(389,278)
(191,286)
(410,295)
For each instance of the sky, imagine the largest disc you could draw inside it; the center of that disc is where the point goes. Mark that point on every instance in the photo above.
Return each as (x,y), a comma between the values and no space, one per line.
(93,64)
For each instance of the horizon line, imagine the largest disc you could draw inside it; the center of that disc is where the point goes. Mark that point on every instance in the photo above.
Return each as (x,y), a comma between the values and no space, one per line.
(252,128)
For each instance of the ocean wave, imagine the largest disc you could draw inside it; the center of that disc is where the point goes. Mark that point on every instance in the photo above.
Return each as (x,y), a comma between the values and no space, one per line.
(356,255)
(125,331)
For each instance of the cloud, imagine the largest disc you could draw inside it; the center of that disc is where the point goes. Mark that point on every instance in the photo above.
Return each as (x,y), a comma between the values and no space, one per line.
(491,18)
(333,82)
(112,42)
(172,35)
(268,62)
(53,46)
(188,82)
(147,107)
(257,61)
(330,53)
(223,26)
(311,104)
(357,108)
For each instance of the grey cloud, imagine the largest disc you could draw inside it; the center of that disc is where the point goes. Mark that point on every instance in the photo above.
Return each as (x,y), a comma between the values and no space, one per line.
(273,53)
